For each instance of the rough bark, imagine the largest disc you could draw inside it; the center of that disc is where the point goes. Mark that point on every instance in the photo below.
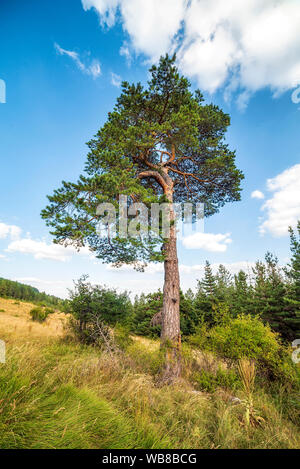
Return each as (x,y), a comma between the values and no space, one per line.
(170,333)
(156,320)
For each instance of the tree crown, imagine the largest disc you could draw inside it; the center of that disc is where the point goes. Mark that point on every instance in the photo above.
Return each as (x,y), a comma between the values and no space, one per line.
(160,143)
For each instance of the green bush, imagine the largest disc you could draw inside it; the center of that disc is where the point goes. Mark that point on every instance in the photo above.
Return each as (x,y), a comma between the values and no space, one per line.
(248,337)
(38,314)
(208,381)
(122,337)
(95,332)
(88,302)
(200,338)
(49,311)
(244,336)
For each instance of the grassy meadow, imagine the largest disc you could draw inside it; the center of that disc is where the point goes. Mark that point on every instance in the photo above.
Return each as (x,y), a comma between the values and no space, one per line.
(56,393)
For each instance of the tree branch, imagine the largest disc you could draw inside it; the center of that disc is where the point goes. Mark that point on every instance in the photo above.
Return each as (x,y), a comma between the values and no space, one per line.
(188,175)
(172,156)
(156,175)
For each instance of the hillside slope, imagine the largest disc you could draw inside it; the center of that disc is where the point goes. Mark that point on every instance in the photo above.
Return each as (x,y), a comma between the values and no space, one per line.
(15,320)
(55,393)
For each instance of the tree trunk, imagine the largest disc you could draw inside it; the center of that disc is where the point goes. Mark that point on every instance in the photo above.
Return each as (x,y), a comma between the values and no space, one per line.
(170,333)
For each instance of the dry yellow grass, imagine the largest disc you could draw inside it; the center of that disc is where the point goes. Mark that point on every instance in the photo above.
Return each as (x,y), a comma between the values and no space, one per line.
(16,321)
(151,344)
(82,385)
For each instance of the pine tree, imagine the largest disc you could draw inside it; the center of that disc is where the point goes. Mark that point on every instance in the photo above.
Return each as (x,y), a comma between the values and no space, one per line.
(223,284)
(160,143)
(145,308)
(274,311)
(293,287)
(17,290)
(242,295)
(188,315)
(206,296)
(274,297)
(259,288)
(209,284)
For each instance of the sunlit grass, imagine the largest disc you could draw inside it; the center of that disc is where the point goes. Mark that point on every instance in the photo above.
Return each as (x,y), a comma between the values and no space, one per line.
(56,393)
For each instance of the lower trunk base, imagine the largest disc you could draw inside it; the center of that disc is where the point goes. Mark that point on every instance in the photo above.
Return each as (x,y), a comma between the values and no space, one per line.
(171,371)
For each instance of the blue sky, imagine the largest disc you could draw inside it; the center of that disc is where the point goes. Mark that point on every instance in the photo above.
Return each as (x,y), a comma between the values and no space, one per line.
(62,62)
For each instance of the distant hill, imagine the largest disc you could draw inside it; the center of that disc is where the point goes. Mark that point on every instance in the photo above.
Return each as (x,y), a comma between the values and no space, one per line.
(20,291)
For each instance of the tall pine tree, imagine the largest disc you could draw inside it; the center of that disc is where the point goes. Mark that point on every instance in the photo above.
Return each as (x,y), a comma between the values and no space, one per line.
(160,143)
(293,288)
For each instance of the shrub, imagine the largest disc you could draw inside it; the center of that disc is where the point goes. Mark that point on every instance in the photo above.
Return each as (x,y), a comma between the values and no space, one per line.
(208,381)
(49,311)
(244,336)
(88,301)
(95,332)
(122,337)
(95,311)
(221,313)
(200,338)
(99,334)
(248,337)
(38,314)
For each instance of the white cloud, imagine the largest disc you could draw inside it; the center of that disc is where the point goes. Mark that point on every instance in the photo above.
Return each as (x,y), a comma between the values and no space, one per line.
(116,80)
(151,25)
(11,231)
(283,208)
(243,46)
(42,250)
(152,268)
(32,280)
(106,9)
(125,52)
(93,69)
(184,269)
(52,287)
(233,267)
(257,195)
(136,282)
(251,43)
(207,241)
